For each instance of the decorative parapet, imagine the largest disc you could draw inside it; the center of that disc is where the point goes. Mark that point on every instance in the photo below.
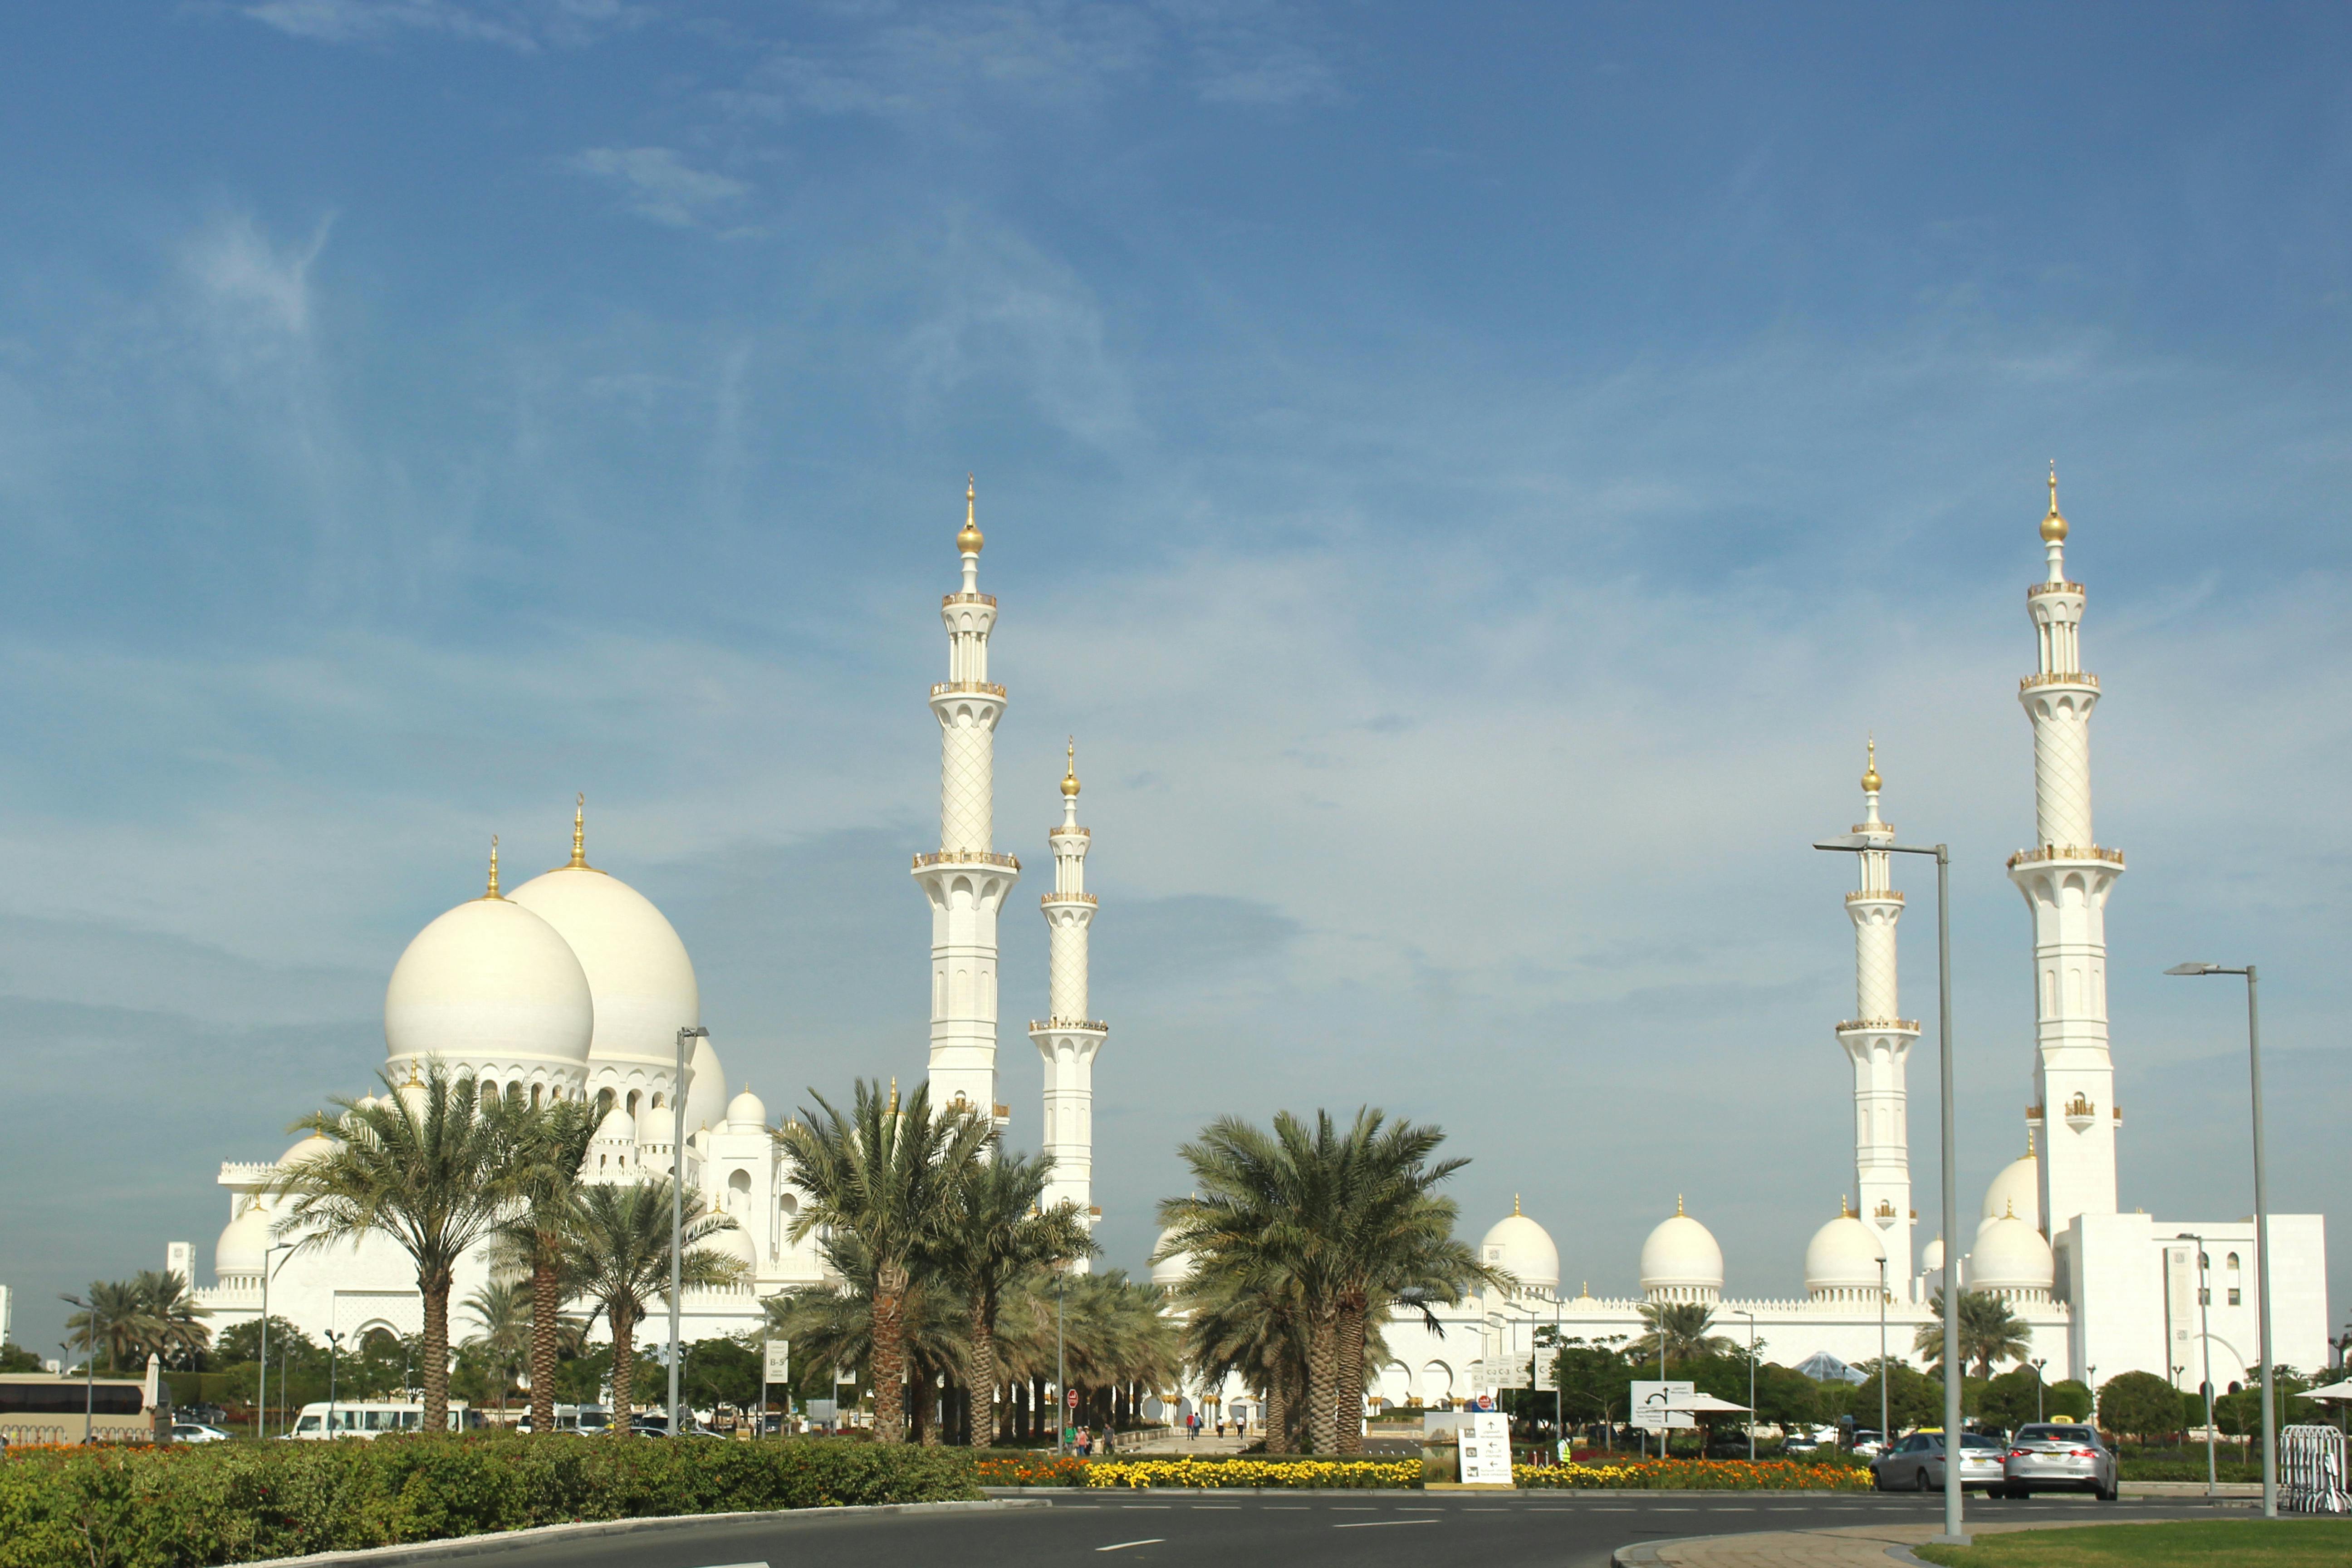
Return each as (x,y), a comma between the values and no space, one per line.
(980,687)
(988,599)
(1074,1025)
(1882,1026)
(2060,677)
(2065,852)
(1888,894)
(1051,898)
(1068,830)
(2038,589)
(967,857)
(247,1173)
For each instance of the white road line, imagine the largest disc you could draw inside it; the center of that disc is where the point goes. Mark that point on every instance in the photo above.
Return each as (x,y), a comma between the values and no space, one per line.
(1376,1523)
(743,1565)
(1131,1507)
(1123,1545)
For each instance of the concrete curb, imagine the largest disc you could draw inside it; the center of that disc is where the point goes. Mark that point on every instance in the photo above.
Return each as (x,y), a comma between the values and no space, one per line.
(500,1539)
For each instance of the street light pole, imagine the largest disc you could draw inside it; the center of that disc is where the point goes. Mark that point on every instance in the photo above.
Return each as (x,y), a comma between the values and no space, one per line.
(261,1395)
(1751,1382)
(1882,1433)
(676,1210)
(334,1342)
(2205,1340)
(2262,1228)
(1855,844)
(1061,1369)
(2039,1385)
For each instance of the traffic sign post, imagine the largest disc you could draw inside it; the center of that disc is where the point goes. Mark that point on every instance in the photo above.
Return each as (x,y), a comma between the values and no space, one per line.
(1662,1406)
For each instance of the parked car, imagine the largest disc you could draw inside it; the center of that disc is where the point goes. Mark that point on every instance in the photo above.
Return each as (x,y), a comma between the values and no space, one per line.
(2048,1458)
(197,1432)
(1917,1463)
(1867,1444)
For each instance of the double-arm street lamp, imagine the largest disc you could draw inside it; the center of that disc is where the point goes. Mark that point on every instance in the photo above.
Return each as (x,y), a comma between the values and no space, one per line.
(677,1211)
(1859,843)
(2262,1230)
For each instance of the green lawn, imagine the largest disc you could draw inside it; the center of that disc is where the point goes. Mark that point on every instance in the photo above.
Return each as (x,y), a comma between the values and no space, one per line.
(2198,1543)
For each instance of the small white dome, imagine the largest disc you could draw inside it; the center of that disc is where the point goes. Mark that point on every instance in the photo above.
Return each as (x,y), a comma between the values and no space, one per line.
(244,1243)
(1524,1249)
(1933,1258)
(747,1113)
(1171,1270)
(1843,1255)
(738,1245)
(2016,1190)
(616,1127)
(316,1143)
(490,982)
(2010,1254)
(1681,1259)
(636,969)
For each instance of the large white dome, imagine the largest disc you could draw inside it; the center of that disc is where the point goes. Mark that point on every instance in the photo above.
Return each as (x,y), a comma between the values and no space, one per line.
(1680,1262)
(1171,1270)
(489,985)
(747,1113)
(244,1243)
(2016,1190)
(637,968)
(312,1144)
(1523,1248)
(1843,1255)
(2010,1254)
(1932,1258)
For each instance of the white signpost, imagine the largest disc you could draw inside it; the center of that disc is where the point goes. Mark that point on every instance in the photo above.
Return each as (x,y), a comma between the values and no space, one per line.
(1658,1406)
(1487,1450)
(779,1361)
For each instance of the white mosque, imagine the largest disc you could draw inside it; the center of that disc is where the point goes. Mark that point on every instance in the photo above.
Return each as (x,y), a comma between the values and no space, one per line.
(2101,1291)
(575,985)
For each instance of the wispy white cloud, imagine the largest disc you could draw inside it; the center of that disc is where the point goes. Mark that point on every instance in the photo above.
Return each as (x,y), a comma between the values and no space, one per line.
(657,183)
(521,24)
(250,284)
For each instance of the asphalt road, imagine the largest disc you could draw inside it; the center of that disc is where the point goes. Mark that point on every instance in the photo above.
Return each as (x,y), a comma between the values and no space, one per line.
(1204,1530)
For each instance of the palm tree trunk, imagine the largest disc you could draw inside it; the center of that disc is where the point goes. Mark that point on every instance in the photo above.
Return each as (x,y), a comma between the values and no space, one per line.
(435,1353)
(1349,1406)
(625,1369)
(1322,1386)
(1277,1417)
(546,1302)
(890,1353)
(984,1370)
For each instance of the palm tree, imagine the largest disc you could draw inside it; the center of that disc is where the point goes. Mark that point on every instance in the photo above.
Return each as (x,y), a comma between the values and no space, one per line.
(1252,1324)
(1989,1332)
(995,1232)
(174,1323)
(112,1320)
(881,1178)
(502,1309)
(419,1165)
(543,1148)
(1684,1327)
(1348,1217)
(616,1255)
(834,1324)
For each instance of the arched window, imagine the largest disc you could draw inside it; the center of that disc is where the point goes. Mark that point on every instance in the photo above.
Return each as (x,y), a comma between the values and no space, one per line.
(633,1097)
(603,1103)
(739,1182)
(2230,1263)
(534,1095)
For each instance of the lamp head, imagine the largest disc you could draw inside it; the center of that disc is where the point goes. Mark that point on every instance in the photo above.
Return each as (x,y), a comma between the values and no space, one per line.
(1848,842)
(2193,969)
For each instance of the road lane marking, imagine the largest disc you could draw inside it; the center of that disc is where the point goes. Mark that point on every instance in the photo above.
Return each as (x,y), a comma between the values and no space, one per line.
(1123,1545)
(1376,1523)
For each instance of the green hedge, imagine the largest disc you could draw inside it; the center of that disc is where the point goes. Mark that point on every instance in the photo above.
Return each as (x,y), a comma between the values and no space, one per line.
(193,1506)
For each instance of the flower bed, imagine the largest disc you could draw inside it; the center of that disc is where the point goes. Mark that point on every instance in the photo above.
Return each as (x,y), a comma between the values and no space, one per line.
(1029,1470)
(1698,1475)
(1253,1472)
(195,1506)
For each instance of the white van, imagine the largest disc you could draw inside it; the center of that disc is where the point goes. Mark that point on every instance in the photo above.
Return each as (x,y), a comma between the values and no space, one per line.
(373,1419)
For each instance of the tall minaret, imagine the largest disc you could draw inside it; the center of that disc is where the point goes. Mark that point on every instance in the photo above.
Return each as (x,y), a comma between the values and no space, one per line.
(1878,1039)
(966,881)
(2066,878)
(1068,1038)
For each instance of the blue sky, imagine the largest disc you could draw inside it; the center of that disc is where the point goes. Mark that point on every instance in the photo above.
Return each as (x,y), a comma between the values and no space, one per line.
(1469,476)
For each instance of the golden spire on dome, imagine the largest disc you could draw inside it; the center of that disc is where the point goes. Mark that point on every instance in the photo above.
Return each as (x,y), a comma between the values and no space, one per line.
(580,832)
(1678,1206)
(2011,1204)
(1070,778)
(970,539)
(494,868)
(894,1094)
(2053,527)
(1515,1205)
(1870,779)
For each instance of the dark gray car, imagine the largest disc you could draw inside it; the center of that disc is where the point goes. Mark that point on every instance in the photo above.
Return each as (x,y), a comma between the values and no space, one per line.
(2051,1457)
(1917,1463)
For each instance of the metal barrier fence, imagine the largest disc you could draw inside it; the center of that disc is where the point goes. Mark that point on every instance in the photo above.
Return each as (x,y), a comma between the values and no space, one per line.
(2311,1471)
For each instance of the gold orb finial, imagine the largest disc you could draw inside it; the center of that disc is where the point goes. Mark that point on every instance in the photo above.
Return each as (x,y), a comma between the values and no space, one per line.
(494,868)
(1870,779)
(1070,778)
(1678,1204)
(894,1094)
(1515,1205)
(970,539)
(580,831)
(2053,527)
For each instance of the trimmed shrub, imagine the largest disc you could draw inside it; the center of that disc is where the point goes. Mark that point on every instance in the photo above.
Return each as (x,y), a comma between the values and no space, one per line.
(197,1506)
(1214,1473)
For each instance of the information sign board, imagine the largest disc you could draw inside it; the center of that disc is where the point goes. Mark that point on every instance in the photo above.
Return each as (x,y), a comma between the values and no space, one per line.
(1487,1450)
(1662,1405)
(779,1361)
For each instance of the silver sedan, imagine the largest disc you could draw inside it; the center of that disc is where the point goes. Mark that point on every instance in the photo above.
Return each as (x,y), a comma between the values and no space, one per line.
(2049,1458)
(1917,1463)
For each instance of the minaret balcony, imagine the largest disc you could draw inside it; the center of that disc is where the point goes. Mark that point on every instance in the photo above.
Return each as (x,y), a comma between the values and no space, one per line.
(1879,1027)
(2050,852)
(1887,895)
(2036,590)
(948,599)
(2060,677)
(1068,830)
(1050,899)
(1068,1027)
(967,857)
(977,688)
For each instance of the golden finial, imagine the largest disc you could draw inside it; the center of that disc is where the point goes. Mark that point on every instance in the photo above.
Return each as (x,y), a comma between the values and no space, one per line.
(1070,778)
(1515,1205)
(2053,527)
(494,868)
(580,832)
(894,1094)
(1678,1204)
(1870,779)
(970,540)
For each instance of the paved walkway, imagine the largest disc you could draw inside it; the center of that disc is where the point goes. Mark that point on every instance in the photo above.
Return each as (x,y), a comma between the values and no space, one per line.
(1861,1546)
